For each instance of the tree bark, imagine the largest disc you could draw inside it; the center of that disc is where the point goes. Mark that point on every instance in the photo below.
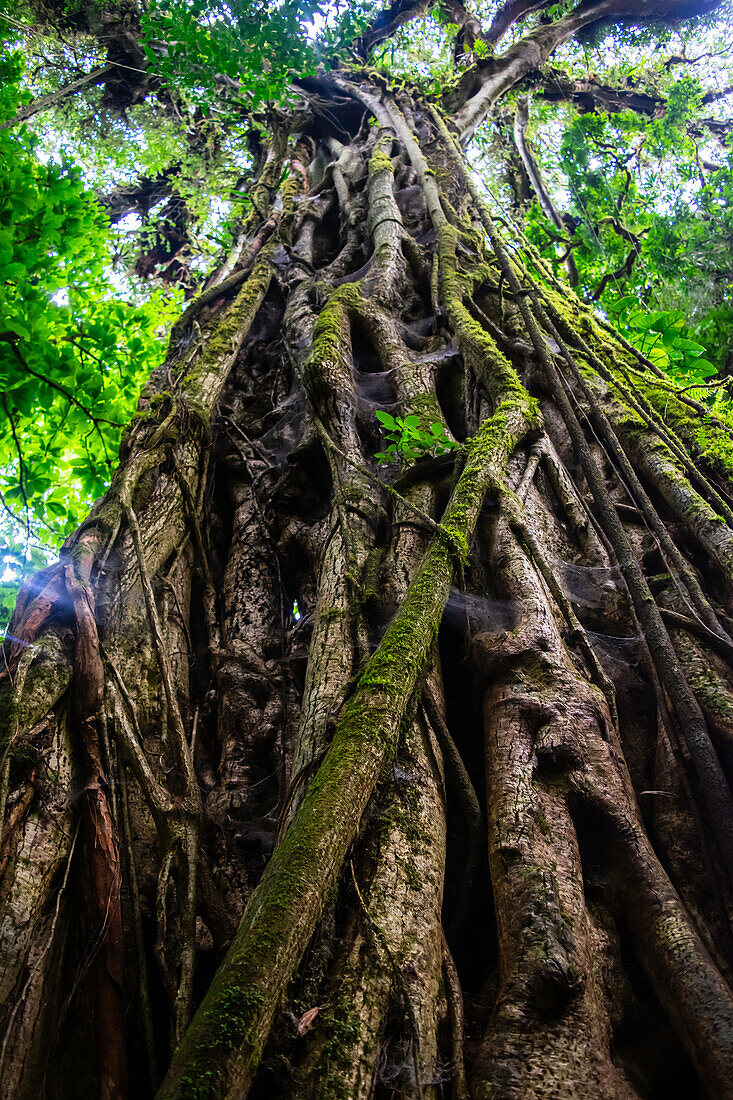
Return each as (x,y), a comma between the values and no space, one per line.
(380,781)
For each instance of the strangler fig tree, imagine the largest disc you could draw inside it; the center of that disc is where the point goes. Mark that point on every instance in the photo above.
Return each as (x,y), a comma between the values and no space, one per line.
(372,736)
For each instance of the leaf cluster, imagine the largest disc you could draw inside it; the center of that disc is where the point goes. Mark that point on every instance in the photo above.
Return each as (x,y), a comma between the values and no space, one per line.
(252,49)
(664,338)
(408,440)
(73,354)
(648,200)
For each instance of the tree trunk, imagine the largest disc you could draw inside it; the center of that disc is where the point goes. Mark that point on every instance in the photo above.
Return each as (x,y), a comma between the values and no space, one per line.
(329,780)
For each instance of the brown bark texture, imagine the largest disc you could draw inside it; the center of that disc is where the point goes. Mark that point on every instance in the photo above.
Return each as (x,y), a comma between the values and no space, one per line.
(329,780)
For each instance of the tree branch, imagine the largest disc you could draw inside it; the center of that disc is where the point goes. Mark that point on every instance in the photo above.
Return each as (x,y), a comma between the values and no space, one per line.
(21,461)
(387,22)
(532,51)
(513,11)
(139,197)
(521,121)
(96,76)
(589,94)
(624,271)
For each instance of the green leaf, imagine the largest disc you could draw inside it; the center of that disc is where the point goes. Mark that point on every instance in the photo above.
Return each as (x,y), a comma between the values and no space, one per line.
(659,321)
(14,271)
(623,304)
(689,347)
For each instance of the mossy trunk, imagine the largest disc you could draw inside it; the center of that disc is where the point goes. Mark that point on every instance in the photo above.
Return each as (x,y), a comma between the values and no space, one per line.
(330,780)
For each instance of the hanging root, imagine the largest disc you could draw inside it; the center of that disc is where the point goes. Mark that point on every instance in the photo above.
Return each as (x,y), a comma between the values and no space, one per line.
(256,971)
(305,756)
(550,758)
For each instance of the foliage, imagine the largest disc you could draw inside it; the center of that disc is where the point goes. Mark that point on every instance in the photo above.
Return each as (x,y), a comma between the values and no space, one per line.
(408,440)
(73,354)
(664,338)
(253,48)
(79,337)
(646,194)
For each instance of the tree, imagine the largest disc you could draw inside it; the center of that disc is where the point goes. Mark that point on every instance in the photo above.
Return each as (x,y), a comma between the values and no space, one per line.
(325,778)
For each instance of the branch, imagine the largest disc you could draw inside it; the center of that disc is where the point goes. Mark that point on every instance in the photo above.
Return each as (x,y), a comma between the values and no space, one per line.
(624,271)
(127,80)
(96,76)
(521,120)
(401,12)
(21,461)
(96,421)
(387,22)
(486,82)
(719,93)
(226,286)
(681,59)
(588,94)
(470,29)
(10,339)
(513,11)
(139,197)
(529,53)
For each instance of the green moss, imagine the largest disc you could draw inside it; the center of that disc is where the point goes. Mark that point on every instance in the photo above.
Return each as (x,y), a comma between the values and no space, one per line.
(46,679)
(379,160)
(272,143)
(707,684)
(202,1082)
(21,753)
(413,876)
(339,1030)
(289,898)
(327,360)
(229,327)
(332,614)
(350,494)
(704,437)
(397,651)
(478,348)
(427,407)
(495,434)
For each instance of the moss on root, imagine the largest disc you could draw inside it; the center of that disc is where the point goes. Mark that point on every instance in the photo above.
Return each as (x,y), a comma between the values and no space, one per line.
(478,348)
(379,160)
(327,363)
(705,438)
(229,329)
(231,1026)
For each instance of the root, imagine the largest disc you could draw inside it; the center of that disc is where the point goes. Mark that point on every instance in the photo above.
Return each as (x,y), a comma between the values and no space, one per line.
(459,1088)
(471,810)
(142,975)
(381,943)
